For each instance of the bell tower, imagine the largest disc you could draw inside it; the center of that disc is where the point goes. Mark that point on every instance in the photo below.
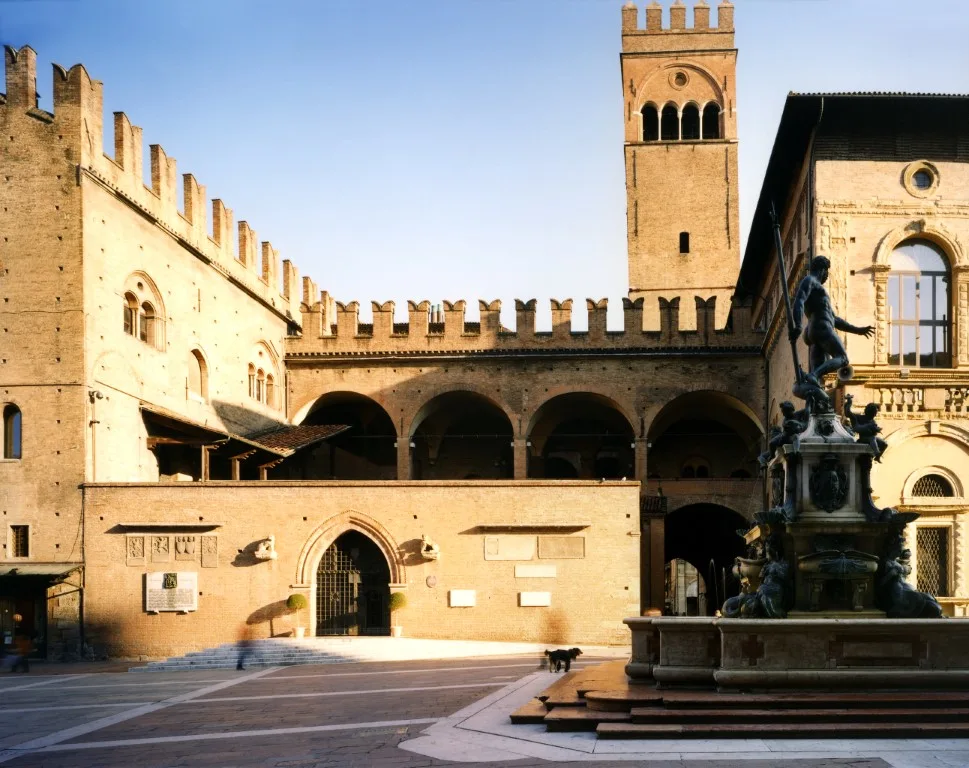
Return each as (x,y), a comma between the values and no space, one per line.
(680,113)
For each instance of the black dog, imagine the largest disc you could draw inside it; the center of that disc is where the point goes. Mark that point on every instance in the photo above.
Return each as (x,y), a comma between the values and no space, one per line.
(558,658)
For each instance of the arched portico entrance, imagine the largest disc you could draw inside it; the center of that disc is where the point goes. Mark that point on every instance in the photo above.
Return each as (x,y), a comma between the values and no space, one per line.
(705,536)
(365,451)
(353,588)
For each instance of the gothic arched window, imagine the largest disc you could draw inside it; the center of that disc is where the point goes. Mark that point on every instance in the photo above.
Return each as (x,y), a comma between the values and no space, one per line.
(670,123)
(691,123)
(650,123)
(918,306)
(711,121)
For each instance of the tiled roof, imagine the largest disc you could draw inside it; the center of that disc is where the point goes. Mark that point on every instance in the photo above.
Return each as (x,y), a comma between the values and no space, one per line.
(886,94)
(288,440)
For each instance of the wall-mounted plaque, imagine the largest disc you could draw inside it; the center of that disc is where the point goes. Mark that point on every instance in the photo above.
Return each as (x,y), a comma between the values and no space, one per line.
(172,591)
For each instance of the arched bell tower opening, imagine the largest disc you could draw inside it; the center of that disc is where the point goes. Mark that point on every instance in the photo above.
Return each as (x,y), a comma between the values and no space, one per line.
(353,588)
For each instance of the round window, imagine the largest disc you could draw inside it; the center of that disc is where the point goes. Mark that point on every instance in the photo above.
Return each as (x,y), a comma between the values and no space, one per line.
(679,79)
(922,180)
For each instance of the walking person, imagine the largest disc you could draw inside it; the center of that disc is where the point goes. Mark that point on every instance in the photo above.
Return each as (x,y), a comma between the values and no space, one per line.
(244,645)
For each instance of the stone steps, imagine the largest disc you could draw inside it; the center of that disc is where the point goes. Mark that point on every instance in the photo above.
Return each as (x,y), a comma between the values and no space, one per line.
(262,653)
(661,715)
(624,710)
(843,730)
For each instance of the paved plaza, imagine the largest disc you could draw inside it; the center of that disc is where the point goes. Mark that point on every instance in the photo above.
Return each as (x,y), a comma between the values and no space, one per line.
(393,713)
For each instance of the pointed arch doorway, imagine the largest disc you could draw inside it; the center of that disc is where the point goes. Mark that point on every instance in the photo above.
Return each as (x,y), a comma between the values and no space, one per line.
(353,588)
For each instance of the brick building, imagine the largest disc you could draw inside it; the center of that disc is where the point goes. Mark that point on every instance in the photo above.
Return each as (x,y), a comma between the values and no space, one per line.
(181,409)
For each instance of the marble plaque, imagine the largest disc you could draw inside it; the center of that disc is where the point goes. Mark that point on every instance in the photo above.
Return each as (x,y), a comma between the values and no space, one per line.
(534,599)
(509,547)
(462,598)
(210,551)
(561,547)
(535,571)
(161,549)
(171,591)
(185,547)
(135,550)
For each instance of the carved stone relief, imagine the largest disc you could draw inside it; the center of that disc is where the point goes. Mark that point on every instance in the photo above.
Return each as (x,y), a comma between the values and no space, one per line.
(210,551)
(185,547)
(135,550)
(962,318)
(161,549)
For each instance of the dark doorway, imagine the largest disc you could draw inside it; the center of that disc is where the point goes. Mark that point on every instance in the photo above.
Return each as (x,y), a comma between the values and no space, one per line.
(705,536)
(23,611)
(353,588)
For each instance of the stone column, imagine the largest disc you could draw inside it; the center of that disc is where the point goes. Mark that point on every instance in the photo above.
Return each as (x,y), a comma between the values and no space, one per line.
(403,458)
(652,552)
(520,445)
(639,463)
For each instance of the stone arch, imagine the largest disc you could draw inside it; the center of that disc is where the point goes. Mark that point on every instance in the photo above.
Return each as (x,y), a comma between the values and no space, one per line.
(924,229)
(945,429)
(709,424)
(331,529)
(555,392)
(365,449)
(642,88)
(461,433)
(580,434)
(421,412)
(299,416)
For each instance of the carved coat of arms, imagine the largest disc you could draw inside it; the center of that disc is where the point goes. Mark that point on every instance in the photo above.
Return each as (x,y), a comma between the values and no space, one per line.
(829,484)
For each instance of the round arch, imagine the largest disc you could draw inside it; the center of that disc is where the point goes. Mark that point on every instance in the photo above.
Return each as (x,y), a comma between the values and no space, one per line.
(461,434)
(920,229)
(643,86)
(365,449)
(579,434)
(908,495)
(557,392)
(427,406)
(954,432)
(705,535)
(704,434)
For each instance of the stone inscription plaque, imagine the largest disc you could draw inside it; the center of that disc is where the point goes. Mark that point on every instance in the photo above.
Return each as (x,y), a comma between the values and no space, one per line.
(172,591)
(561,547)
(509,547)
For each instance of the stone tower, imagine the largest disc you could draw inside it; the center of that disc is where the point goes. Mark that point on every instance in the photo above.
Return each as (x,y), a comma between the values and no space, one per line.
(680,112)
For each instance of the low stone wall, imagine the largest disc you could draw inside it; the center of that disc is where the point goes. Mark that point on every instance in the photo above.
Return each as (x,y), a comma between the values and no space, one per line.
(514,563)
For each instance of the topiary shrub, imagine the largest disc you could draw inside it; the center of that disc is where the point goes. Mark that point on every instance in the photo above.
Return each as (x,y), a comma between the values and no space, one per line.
(296,602)
(398,600)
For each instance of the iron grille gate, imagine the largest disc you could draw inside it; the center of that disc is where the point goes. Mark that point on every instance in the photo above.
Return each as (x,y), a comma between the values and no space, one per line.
(352,593)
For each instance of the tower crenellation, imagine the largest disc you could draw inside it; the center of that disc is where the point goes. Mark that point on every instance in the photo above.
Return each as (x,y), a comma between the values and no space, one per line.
(76,124)
(677,19)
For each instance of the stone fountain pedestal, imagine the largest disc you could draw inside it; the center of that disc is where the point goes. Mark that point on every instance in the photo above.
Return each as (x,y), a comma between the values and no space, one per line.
(824,603)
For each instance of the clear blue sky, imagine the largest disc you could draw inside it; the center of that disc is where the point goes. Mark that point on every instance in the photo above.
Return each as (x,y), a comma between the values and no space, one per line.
(446,149)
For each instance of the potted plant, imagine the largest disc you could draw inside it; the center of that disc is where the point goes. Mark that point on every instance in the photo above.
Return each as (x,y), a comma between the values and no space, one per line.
(398,600)
(297,603)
